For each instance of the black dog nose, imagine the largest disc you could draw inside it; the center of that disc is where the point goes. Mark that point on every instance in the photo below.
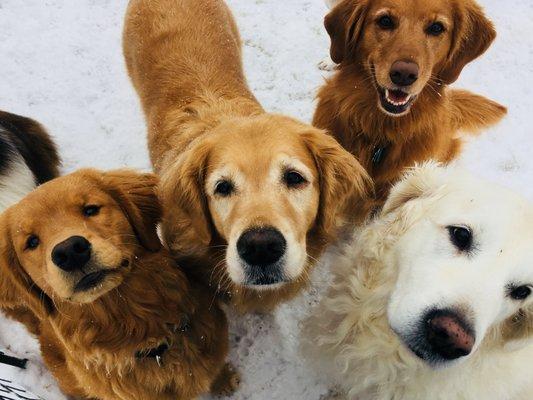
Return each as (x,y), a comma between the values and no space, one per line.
(449,336)
(261,246)
(404,73)
(72,254)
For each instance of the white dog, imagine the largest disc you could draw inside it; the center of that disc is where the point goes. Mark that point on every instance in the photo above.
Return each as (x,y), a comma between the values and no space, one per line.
(432,299)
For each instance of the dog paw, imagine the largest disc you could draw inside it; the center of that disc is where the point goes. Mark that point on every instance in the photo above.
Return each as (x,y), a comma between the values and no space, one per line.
(227,382)
(327,64)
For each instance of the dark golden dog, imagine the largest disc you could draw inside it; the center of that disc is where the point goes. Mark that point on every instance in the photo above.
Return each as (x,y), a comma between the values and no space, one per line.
(252,198)
(118,319)
(389,104)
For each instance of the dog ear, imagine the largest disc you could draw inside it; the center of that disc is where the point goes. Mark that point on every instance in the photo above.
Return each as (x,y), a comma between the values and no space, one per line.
(473,34)
(186,224)
(344,25)
(136,194)
(418,182)
(16,286)
(344,183)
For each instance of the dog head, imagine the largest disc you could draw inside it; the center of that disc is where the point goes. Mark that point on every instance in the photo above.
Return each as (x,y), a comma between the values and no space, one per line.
(407,47)
(463,264)
(259,188)
(75,238)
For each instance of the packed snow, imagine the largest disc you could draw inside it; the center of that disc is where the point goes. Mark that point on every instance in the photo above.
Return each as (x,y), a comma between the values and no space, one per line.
(61,64)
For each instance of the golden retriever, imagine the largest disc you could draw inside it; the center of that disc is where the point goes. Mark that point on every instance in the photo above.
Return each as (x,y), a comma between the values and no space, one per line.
(250,198)
(118,318)
(389,102)
(433,298)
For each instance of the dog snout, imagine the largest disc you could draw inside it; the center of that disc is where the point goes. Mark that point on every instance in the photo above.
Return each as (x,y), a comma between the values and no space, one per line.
(404,73)
(448,335)
(261,246)
(72,254)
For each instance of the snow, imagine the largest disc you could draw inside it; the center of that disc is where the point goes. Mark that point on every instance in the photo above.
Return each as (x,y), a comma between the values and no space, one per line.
(61,64)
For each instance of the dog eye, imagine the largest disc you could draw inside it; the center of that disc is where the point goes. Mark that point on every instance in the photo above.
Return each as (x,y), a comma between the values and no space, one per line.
(435,29)
(91,210)
(461,237)
(520,292)
(224,188)
(293,179)
(32,242)
(386,22)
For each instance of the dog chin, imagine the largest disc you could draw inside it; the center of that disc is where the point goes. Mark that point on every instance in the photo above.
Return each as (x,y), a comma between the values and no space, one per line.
(99,286)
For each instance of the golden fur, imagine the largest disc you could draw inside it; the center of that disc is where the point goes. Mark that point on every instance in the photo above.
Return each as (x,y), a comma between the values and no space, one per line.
(348,104)
(90,338)
(184,59)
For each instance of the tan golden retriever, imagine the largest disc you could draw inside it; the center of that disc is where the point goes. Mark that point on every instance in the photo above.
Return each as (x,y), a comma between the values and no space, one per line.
(118,318)
(389,102)
(250,197)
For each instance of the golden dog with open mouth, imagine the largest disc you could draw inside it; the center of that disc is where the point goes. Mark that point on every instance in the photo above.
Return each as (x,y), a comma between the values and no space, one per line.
(118,318)
(389,103)
(252,198)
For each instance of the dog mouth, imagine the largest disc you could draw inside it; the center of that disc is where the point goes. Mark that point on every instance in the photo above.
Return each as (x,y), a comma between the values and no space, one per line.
(395,101)
(90,281)
(265,278)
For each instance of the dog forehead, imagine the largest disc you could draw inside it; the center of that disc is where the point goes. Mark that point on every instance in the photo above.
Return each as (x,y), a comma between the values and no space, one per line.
(55,196)
(487,208)
(414,8)
(252,153)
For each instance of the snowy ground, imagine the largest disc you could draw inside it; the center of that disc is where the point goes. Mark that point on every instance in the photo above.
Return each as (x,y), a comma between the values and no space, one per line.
(61,63)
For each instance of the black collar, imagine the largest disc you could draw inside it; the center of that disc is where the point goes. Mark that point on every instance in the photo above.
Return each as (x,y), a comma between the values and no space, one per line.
(156,353)
(379,154)
(159,351)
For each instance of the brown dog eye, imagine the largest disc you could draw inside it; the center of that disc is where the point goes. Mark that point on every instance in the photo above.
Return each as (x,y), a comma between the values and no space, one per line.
(386,22)
(435,29)
(461,237)
(520,292)
(293,179)
(33,242)
(91,210)
(224,188)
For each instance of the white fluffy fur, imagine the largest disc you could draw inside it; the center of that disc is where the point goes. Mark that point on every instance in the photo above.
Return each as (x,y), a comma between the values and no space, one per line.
(400,264)
(15,183)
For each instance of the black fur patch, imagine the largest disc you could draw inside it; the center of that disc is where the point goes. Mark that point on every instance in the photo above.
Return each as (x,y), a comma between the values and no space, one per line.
(28,138)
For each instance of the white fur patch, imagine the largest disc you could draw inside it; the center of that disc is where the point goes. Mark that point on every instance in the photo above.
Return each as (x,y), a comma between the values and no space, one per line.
(16,183)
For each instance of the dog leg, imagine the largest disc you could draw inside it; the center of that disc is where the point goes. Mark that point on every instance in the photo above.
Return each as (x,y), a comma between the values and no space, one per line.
(227,382)
(473,113)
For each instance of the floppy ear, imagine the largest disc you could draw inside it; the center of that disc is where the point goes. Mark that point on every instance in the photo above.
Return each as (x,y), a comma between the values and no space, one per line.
(344,183)
(186,224)
(473,33)
(137,196)
(344,25)
(418,182)
(16,286)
